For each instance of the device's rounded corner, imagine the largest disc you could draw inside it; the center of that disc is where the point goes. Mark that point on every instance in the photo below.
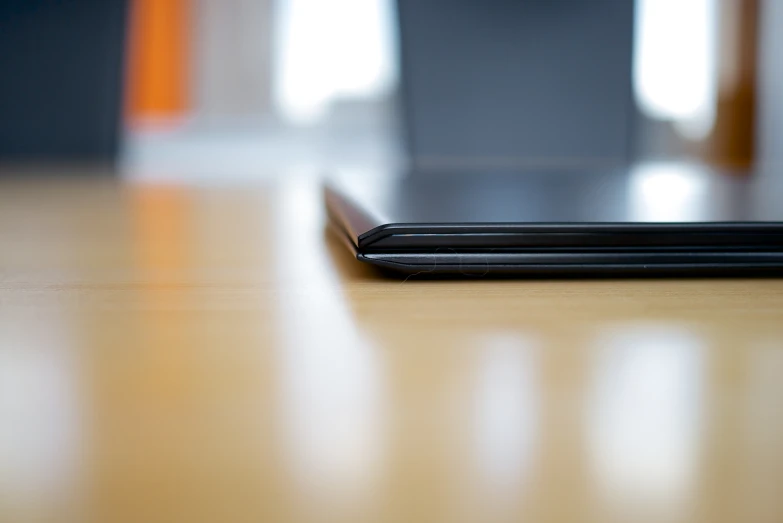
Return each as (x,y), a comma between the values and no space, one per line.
(376,233)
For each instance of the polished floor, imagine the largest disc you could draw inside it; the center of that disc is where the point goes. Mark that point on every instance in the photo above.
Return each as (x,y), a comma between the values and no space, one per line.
(173,353)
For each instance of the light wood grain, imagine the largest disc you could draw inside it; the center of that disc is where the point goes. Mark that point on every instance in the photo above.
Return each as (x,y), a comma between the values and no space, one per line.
(186,354)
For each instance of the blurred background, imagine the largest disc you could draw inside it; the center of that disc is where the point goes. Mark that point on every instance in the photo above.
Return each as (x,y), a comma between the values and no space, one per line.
(135,375)
(193,88)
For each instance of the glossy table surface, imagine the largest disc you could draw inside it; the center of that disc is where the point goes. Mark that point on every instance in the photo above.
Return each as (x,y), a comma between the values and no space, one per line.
(184,354)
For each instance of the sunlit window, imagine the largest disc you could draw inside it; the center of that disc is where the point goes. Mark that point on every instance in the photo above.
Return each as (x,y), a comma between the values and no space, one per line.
(675,71)
(325,51)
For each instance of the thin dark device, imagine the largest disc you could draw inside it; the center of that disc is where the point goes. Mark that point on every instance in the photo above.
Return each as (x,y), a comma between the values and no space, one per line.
(655,220)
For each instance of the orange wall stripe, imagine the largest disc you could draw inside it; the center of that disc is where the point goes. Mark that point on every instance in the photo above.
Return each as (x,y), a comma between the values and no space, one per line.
(159,58)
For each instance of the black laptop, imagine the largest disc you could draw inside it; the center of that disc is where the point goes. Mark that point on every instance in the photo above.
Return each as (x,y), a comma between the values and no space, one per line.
(648,220)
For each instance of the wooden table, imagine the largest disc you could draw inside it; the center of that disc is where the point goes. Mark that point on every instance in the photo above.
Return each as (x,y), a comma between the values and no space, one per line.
(187,354)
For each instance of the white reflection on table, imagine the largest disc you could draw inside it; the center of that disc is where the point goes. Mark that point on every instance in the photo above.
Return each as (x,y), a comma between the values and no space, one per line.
(645,415)
(331,377)
(40,420)
(506,409)
(761,475)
